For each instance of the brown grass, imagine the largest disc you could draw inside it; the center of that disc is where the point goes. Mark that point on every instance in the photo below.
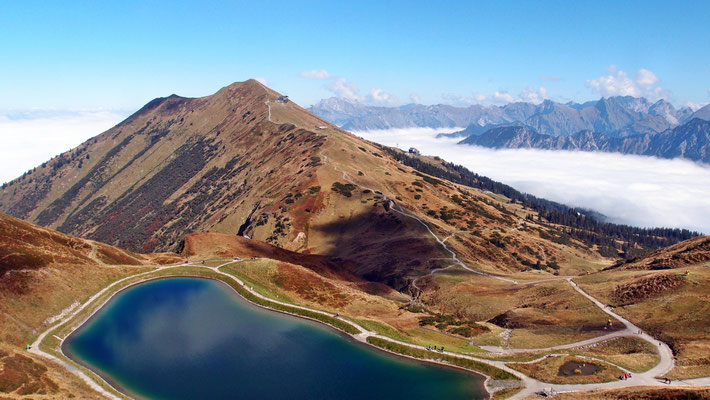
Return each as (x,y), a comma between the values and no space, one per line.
(640,393)
(540,315)
(636,355)
(546,370)
(24,376)
(678,314)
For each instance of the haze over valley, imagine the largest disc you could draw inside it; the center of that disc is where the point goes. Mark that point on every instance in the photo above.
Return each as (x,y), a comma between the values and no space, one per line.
(627,189)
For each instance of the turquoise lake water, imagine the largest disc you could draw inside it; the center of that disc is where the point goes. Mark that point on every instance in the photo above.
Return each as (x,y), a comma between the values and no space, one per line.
(191,338)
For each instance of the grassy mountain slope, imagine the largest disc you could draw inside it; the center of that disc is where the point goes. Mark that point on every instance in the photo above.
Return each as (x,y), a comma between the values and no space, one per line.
(241,162)
(44,273)
(668,293)
(688,252)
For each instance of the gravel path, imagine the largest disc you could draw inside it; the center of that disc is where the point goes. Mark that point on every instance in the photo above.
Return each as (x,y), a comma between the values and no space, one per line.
(35,349)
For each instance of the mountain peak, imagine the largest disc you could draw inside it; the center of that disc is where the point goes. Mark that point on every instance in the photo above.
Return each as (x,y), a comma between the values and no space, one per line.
(616,116)
(250,87)
(703,113)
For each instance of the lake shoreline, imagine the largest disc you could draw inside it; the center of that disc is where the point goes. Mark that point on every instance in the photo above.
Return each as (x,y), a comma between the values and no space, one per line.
(122,391)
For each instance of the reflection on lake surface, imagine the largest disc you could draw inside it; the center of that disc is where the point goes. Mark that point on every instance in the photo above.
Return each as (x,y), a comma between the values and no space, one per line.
(190,338)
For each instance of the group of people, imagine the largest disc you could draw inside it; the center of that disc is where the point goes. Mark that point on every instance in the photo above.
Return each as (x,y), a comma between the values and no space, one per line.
(433,348)
(668,381)
(625,376)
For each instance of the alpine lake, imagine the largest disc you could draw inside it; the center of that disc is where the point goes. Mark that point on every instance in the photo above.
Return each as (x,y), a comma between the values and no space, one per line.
(194,338)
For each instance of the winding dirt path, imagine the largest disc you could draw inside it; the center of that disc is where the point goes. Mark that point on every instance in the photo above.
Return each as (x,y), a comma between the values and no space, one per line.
(92,254)
(35,346)
(667,362)
(532,386)
(268,105)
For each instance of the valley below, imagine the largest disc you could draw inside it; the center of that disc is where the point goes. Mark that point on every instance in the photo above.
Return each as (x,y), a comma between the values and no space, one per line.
(625,189)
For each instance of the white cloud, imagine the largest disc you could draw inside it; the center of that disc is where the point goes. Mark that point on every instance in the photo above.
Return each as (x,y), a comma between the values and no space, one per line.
(262,80)
(414,98)
(616,83)
(320,75)
(534,96)
(31,137)
(645,78)
(619,83)
(502,97)
(479,97)
(499,97)
(461,101)
(379,97)
(635,190)
(694,106)
(342,88)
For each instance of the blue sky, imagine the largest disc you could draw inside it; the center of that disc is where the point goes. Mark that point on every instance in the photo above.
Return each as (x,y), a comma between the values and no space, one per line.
(119,55)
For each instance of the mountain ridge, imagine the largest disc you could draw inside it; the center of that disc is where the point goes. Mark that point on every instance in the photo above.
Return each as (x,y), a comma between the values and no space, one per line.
(247,161)
(615,116)
(690,141)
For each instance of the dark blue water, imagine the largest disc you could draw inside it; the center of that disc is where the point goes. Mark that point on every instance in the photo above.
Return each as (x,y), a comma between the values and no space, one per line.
(190,338)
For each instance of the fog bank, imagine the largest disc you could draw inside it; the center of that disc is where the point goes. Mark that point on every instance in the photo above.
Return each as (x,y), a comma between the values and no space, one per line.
(32,137)
(629,189)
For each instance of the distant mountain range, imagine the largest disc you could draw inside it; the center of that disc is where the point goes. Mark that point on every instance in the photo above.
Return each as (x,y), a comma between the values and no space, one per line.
(690,140)
(614,116)
(622,124)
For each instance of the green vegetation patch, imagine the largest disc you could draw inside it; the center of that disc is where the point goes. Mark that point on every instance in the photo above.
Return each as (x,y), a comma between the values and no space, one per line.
(459,327)
(344,189)
(466,363)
